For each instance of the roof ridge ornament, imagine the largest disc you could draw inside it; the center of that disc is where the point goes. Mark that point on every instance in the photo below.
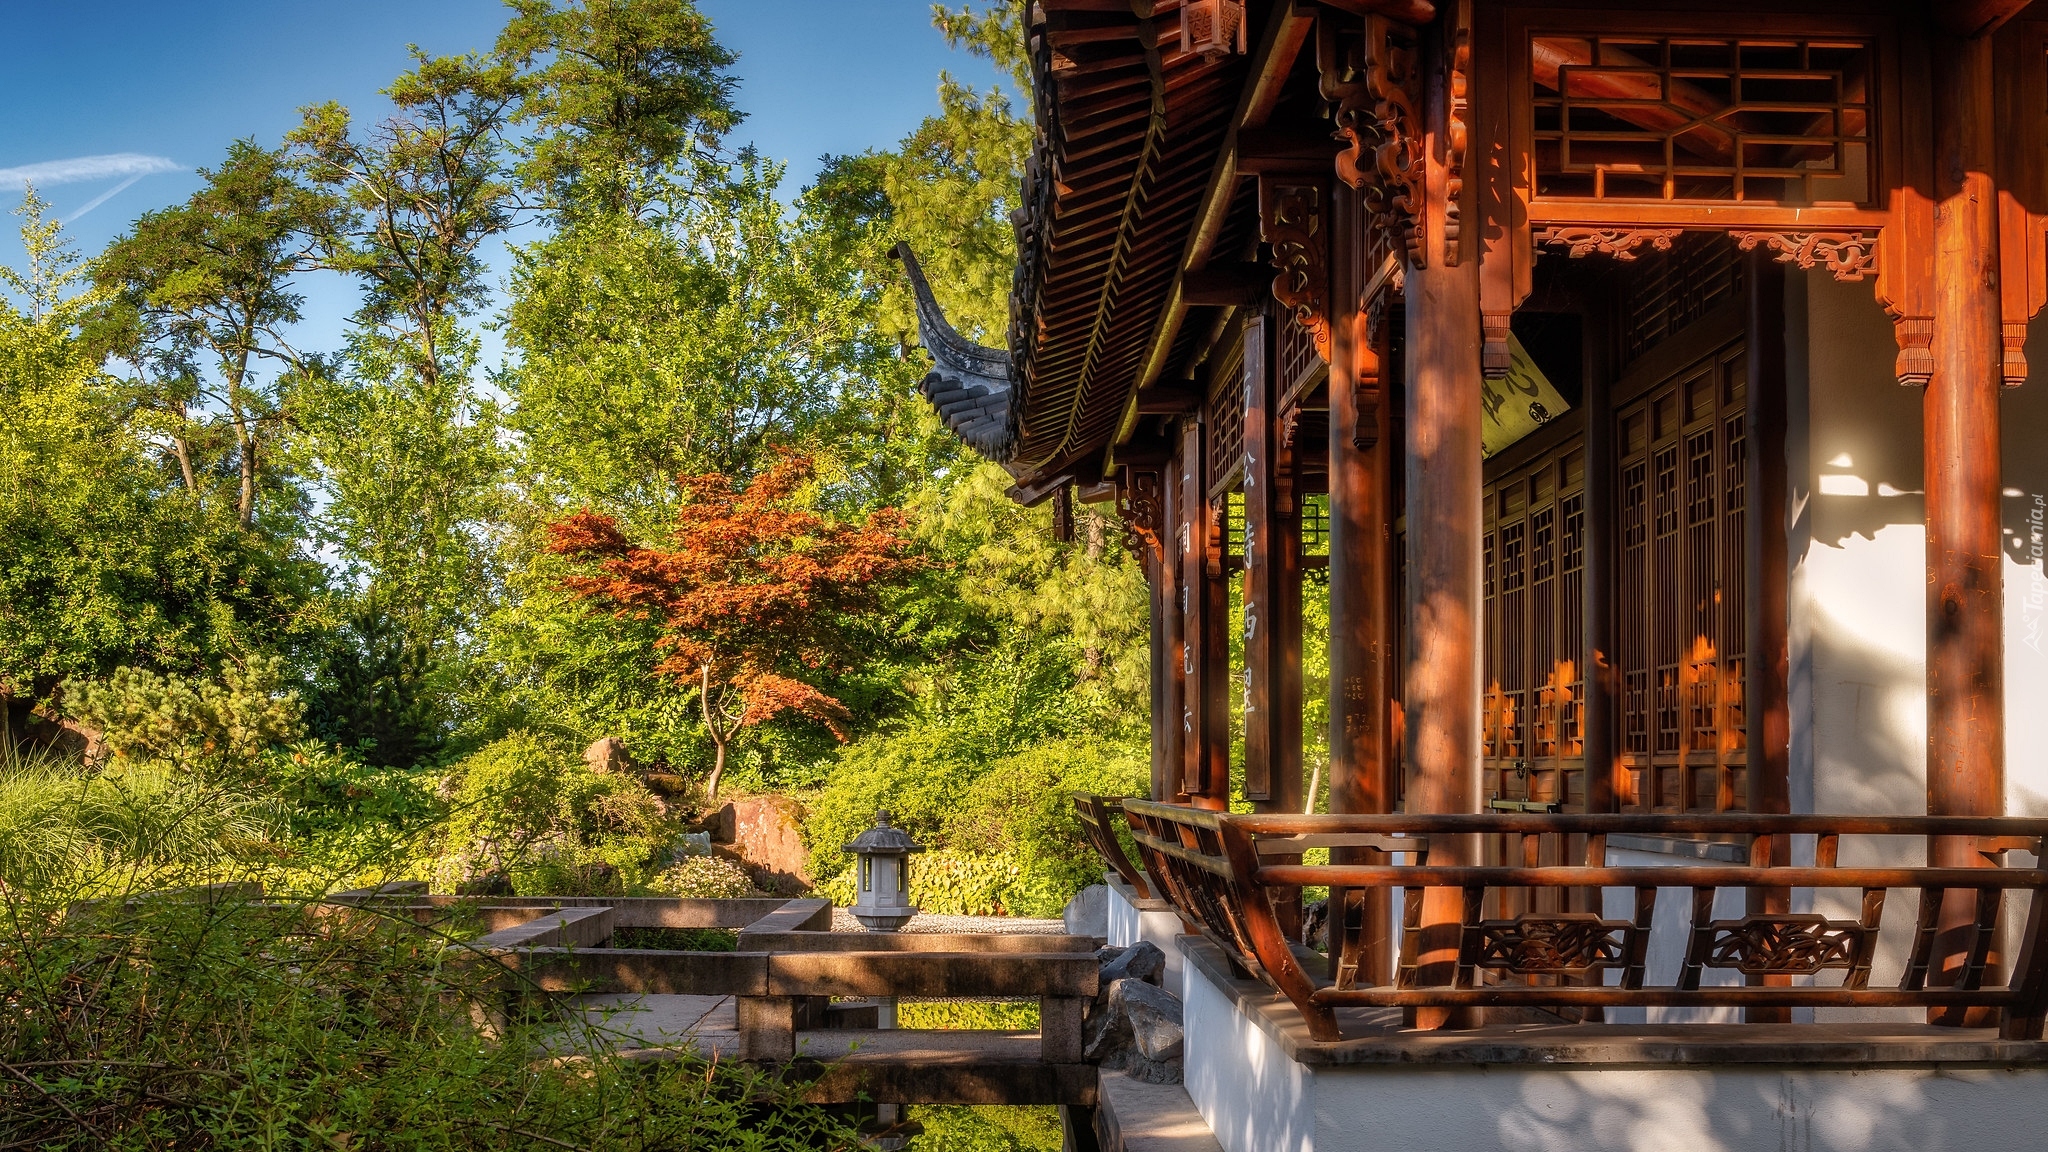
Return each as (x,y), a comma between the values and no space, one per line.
(970,385)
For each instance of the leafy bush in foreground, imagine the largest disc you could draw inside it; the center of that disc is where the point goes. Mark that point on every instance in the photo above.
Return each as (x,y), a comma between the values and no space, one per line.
(169,1024)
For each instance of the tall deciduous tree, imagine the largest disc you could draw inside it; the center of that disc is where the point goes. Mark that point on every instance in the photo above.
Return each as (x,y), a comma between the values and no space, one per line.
(757,595)
(403,444)
(616,92)
(211,279)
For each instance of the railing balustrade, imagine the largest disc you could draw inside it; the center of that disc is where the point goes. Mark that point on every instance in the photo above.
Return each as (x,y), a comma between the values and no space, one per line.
(1534,935)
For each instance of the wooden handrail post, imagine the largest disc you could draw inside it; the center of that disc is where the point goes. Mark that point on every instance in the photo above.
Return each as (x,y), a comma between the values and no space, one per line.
(1441,689)
(1965,651)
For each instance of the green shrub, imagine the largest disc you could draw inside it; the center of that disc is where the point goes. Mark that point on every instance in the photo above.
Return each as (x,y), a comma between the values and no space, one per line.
(704,878)
(534,810)
(1003,836)
(957,1128)
(206,724)
(177,1024)
(969,1015)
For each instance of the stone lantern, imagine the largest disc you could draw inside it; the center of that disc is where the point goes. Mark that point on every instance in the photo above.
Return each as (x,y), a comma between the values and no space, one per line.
(882,876)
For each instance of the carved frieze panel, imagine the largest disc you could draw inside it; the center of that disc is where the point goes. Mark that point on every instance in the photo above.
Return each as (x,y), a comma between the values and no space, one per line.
(1786,944)
(1565,944)
(1294,222)
(1846,255)
(1620,243)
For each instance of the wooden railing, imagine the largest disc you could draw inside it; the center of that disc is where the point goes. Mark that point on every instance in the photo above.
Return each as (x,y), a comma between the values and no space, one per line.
(1100,816)
(1214,868)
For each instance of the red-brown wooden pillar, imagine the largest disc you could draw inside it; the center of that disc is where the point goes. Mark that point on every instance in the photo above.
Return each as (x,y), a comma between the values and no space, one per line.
(1361,609)
(1441,688)
(1272,604)
(1146,506)
(1170,753)
(1272,581)
(1965,651)
(1205,649)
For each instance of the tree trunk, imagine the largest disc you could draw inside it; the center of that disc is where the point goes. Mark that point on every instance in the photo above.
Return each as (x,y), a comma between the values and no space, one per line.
(719,738)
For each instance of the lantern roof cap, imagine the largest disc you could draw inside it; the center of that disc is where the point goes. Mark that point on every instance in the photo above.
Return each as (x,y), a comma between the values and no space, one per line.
(884,839)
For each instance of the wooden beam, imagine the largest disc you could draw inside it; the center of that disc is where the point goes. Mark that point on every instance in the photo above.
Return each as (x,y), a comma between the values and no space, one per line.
(1417,12)
(1965,601)
(1295,148)
(1975,18)
(1163,401)
(1441,689)
(1231,284)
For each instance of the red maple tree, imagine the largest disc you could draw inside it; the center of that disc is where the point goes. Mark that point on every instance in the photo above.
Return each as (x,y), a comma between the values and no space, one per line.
(756,594)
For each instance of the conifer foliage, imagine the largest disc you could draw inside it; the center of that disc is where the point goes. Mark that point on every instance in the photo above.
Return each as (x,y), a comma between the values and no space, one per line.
(759,595)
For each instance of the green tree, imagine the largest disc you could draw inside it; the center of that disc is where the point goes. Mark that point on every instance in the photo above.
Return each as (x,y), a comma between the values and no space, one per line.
(616,93)
(104,559)
(212,278)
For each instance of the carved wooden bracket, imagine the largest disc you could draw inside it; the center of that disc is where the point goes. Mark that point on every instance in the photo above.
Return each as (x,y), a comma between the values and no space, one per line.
(1620,243)
(2022,278)
(1458,121)
(1293,221)
(1375,84)
(1905,285)
(1370,372)
(1140,507)
(1848,255)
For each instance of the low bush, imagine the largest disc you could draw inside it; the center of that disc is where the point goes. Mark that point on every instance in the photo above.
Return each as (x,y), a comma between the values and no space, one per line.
(1003,836)
(168,1024)
(704,878)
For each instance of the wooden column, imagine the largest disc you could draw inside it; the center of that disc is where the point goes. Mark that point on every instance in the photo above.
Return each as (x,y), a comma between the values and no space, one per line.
(1965,653)
(1272,582)
(1170,753)
(1442,685)
(1600,717)
(1767,714)
(1205,658)
(1361,612)
(1272,605)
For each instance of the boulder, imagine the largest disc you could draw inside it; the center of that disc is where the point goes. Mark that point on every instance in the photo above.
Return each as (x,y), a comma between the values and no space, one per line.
(768,837)
(608,754)
(1137,1029)
(1141,961)
(1087,914)
(721,822)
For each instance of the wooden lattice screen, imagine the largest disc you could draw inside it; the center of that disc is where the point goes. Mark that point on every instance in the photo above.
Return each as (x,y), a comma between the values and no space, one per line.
(1533,583)
(1223,417)
(1662,292)
(1637,118)
(1682,602)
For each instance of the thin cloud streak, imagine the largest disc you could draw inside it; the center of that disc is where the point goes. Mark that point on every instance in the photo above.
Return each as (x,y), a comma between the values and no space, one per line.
(79,168)
(103,197)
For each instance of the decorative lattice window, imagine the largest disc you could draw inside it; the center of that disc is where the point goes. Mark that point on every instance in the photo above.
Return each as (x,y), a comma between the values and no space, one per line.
(1295,357)
(1638,118)
(1665,290)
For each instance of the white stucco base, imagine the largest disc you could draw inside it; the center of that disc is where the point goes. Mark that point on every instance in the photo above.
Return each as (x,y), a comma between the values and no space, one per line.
(1132,919)
(1255,1097)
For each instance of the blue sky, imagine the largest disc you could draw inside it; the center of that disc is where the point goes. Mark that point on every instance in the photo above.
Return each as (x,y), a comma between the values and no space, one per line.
(112,104)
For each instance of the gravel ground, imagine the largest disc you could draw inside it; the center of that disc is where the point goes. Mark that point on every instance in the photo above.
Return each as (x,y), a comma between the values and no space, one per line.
(843,921)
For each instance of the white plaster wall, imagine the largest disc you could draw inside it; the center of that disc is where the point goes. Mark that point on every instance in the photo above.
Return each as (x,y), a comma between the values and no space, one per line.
(1859,564)
(1717,1109)
(1129,924)
(1256,1099)
(1253,1095)
(1668,939)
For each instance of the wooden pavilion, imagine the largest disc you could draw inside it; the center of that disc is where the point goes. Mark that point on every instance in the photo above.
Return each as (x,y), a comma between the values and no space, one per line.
(1527,333)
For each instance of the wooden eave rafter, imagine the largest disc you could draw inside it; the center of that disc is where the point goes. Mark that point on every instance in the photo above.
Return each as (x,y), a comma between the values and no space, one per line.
(1122,162)
(1280,43)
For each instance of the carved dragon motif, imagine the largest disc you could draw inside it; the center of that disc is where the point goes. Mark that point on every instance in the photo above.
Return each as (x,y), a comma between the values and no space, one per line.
(1848,255)
(1620,243)
(1293,225)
